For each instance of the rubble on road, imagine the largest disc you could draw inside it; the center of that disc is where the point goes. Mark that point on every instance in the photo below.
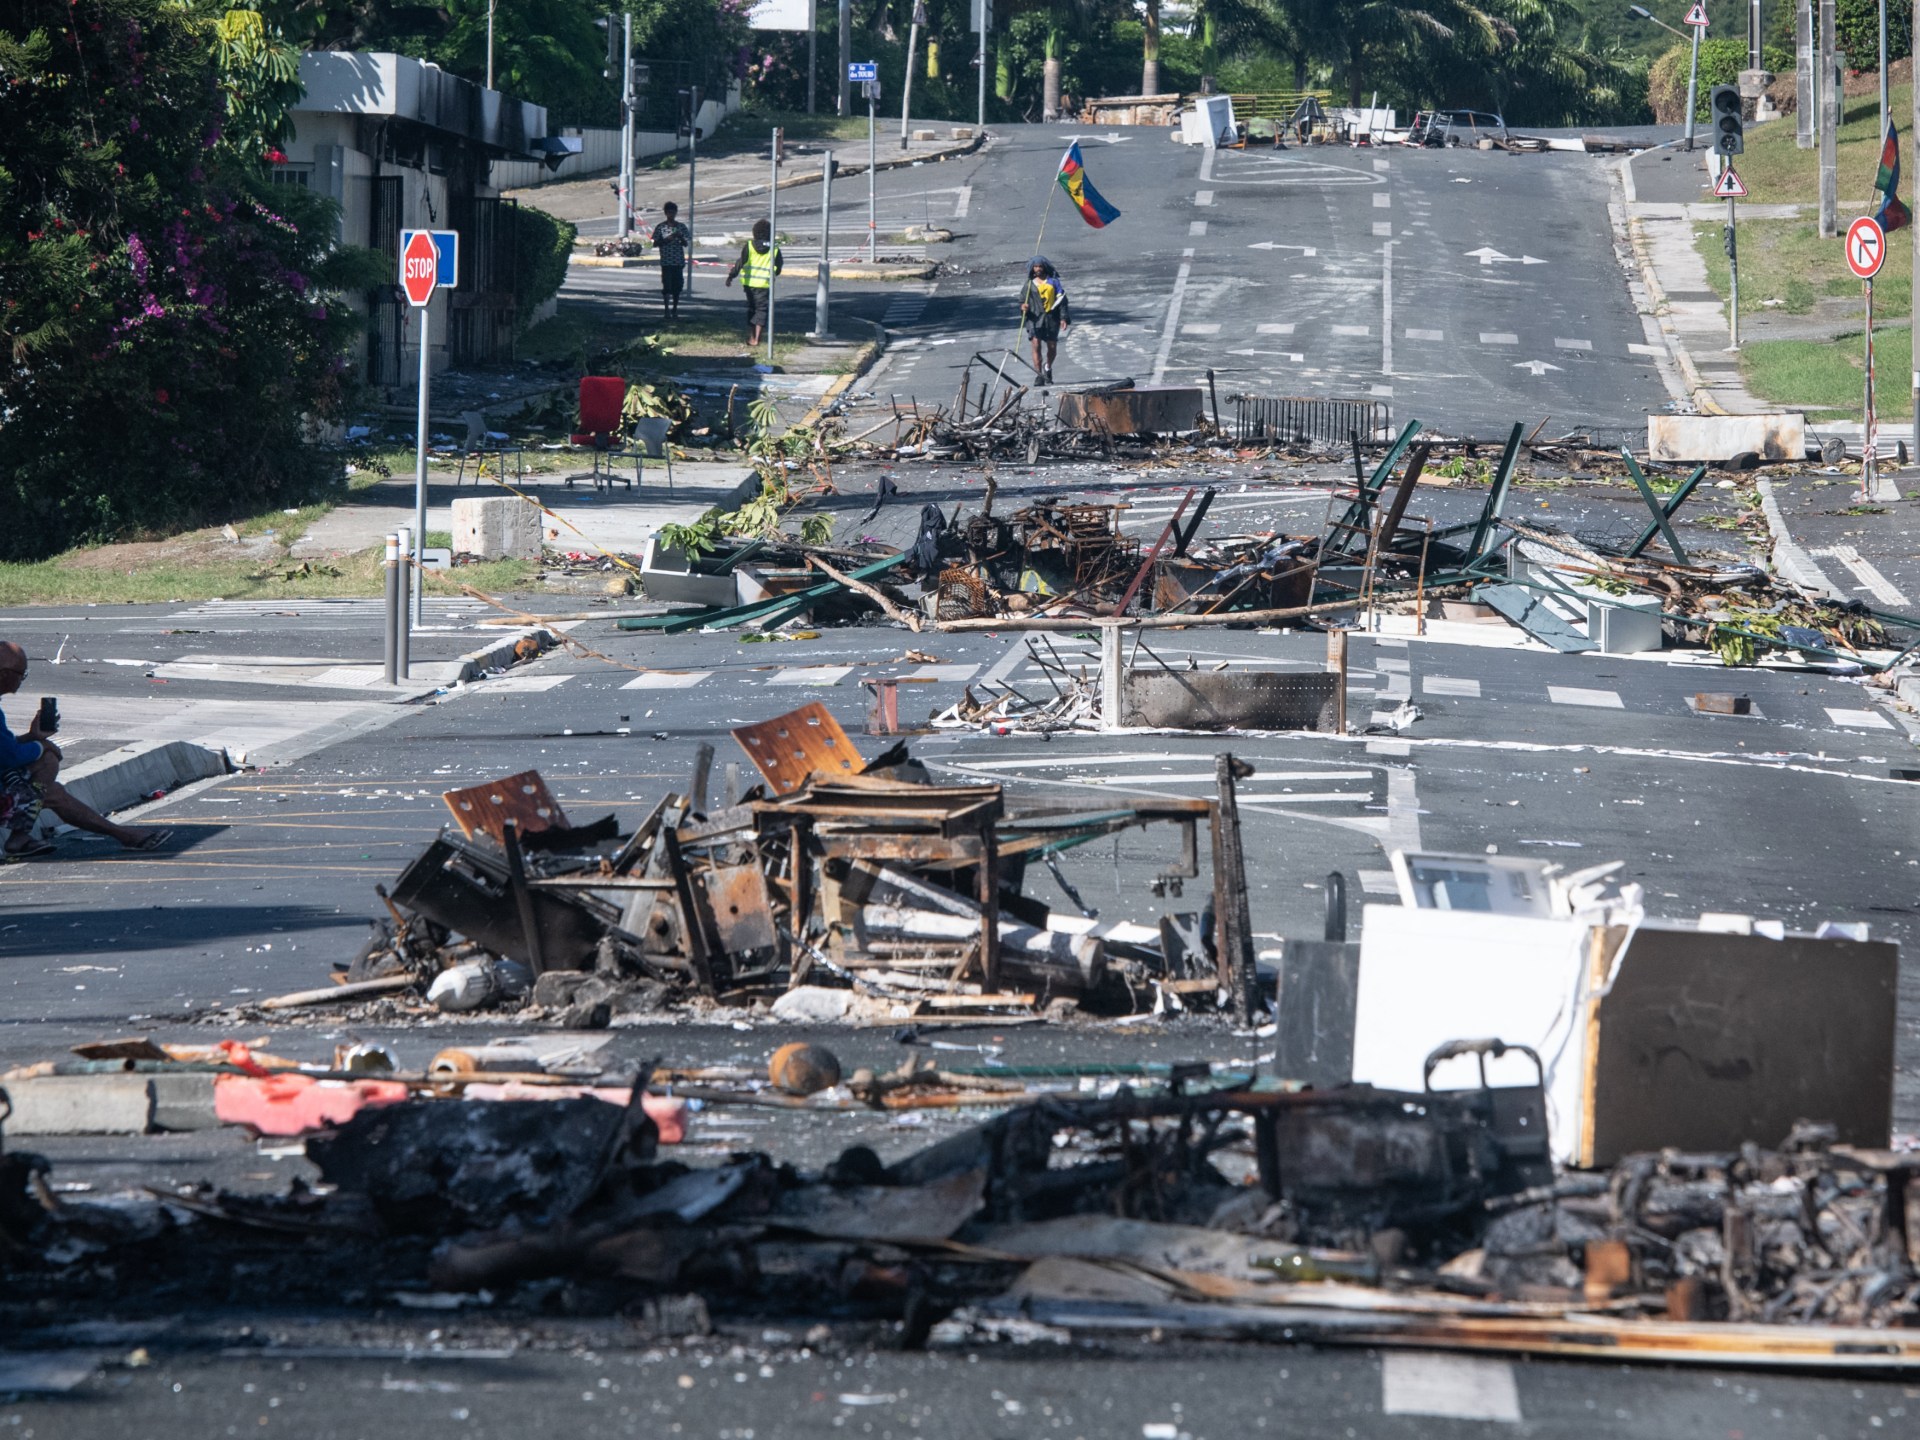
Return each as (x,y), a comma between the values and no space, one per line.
(837,871)
(1241,1208)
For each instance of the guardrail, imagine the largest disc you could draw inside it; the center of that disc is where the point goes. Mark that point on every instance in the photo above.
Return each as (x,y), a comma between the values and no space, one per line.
(1302,419)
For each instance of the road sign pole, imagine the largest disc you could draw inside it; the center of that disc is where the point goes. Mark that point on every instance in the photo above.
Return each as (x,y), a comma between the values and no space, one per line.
(873,233)
(1733,273)
(1693,81)
(693,170)
(822,321)
(419,474)
(913,42)
(986,23)
(773,232)
(1867,448)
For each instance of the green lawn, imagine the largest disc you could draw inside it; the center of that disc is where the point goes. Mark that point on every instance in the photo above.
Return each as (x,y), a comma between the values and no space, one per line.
(1825,377)
(1778,172)
(1787,261)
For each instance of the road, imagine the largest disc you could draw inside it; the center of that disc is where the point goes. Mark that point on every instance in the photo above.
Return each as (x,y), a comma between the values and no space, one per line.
(1790,813)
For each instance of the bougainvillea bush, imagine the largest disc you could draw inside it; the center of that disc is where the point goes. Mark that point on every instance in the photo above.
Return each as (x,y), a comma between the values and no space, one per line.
(171,327)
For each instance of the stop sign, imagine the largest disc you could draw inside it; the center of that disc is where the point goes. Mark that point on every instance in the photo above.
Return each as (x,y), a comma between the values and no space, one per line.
(419,268)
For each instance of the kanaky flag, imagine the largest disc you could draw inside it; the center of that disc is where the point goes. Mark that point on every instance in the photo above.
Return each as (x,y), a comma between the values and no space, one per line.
(1073,179)
(1893,215)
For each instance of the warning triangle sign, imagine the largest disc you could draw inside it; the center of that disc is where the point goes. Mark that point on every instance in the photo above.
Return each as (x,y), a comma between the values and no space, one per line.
(1698,14)
(1730,186)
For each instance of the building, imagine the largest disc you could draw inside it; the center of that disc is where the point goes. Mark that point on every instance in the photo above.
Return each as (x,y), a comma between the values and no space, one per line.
(400,144)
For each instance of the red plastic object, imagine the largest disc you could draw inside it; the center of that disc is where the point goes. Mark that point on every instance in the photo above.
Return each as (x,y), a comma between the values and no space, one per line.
(601,399)
(293,1104)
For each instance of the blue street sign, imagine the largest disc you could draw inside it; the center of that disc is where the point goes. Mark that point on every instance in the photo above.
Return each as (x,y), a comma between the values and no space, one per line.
(447,245)
(860,70)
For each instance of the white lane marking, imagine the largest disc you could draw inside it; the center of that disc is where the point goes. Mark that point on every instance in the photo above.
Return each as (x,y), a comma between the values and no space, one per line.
(1197,328)
(1450,685)
(1383,227)
(1498,337)
(1379,882)
(1560,344)
(1172,326)
(1379,165)
(1204,197)
(1383,392)
(1386,309)
(1871,577)
(811,675)
(945,673)
(1859,719)
(1390,747)
(1403,812)
(960,205)
(1351,330)
(1460,1387)
(521,684)
(1196,227)
(1394,665)
(1426,335)
(1016,652)
(1645,350)
(1382,200)
(1575,695)
(1286,329)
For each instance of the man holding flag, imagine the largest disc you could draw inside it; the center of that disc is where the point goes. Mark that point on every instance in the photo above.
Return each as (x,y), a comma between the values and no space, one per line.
(1043,299)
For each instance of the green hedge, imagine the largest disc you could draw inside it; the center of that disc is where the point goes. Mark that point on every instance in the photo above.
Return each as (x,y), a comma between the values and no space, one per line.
(544,243)
(1721,62)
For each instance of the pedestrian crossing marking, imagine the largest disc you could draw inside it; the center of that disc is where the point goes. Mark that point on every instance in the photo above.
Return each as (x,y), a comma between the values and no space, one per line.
(1576,695)
(1450,685)
(1498,337)
(1859,719)
(812,675)
(667,680)
(1426,335)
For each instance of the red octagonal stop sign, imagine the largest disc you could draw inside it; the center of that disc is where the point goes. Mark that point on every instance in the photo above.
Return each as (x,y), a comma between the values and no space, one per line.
(419,268)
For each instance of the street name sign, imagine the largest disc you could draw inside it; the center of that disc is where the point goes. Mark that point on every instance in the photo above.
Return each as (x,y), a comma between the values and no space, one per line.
(862,71)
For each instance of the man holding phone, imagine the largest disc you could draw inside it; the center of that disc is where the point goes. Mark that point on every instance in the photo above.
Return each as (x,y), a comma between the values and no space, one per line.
(28,766)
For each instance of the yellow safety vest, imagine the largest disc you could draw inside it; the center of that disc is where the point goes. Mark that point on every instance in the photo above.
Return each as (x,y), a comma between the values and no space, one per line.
(757,273)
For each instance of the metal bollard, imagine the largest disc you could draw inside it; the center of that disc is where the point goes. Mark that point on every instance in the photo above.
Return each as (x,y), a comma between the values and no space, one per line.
(403,624)
(1337,665)
(392,647)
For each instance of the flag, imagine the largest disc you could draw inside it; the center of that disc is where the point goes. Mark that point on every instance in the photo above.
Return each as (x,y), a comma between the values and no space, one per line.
(1893,215)
(1073,179)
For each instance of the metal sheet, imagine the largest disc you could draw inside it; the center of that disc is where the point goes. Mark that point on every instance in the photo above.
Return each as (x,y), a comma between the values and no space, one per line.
(1145,409)
(790,747)
(1531,614)
(740,908)
(522,798)
(1318,992)
(1721,437)
(1229,700)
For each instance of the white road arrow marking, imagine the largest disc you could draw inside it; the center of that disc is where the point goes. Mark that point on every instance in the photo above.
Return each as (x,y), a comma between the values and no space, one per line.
(1305,250)
(1487,255)
(1116,139)
(1538,367)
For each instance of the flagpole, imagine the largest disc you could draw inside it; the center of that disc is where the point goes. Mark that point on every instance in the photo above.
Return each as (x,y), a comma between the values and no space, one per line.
(1026,284)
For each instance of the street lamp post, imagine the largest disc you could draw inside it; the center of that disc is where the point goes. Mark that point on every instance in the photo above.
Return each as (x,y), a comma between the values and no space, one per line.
(1640,12)
(490,4)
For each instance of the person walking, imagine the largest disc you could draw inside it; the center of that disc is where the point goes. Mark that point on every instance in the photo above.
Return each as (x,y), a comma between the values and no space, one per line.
(758,263)
(1043,306)
(672,240)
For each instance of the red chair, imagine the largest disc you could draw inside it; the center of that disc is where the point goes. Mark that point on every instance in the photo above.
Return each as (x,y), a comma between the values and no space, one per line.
(601,399)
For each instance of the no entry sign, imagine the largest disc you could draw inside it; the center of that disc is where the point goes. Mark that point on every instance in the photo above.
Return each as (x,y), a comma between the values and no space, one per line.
(1866,247)
(419,267)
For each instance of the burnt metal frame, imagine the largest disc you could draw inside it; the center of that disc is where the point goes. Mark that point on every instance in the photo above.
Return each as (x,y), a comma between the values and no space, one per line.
(1661,514)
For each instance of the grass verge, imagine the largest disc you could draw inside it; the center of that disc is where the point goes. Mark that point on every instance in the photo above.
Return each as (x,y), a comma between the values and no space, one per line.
(1826,377)
(1787,261)
(1778,172)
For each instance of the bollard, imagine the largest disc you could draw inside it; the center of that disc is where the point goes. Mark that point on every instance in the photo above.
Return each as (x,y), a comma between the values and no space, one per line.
(822,323)
(1336,928)
(393,610)
(1337,663)
(403,625)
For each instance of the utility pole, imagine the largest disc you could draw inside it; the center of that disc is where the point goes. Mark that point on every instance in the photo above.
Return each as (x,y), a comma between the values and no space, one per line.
(1885,109)
(873,232)
(1915,231)
(844,87)
(906,90)
(1693,80)
(773,233)
(1806,85)
(813,59)
(490,4)
(985,20)
(1829,73)
(626,126)
(693,170)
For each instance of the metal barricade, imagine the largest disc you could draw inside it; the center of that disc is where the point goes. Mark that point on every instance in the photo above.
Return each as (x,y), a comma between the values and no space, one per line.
(1308,420)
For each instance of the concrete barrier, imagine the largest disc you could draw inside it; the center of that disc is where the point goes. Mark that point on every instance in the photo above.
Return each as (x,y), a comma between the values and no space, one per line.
(1721,437)
(133,772)
(497,527)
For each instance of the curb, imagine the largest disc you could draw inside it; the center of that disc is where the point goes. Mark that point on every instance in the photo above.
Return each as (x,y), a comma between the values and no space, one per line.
(504,653)
(1790,557)
(883,272)
(128,775)
(862,362)
(1657,297)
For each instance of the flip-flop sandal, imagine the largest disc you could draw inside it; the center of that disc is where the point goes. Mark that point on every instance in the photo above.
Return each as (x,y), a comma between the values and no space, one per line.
(153,841)
(29,852)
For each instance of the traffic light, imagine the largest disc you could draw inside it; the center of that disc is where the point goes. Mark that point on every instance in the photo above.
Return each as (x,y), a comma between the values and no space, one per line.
(1729,129)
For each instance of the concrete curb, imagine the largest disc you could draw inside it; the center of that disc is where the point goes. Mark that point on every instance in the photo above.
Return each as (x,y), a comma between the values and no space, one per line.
(1657,297)
(130,774)
(504,653)
(862,362)
(1790,558)
(111,1104)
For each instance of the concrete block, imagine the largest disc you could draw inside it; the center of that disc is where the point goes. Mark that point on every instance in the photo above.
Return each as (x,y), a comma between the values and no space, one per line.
(1721,437)
(129,774)
(497,527)
(1624,628)
(79,1105)
(183,1102)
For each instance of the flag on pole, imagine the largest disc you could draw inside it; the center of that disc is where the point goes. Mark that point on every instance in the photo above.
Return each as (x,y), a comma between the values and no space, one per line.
(1073,179)
(1893,215)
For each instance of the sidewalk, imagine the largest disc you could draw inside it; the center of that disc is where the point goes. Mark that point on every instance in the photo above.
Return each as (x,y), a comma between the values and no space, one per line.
(1824,535)
(742,174)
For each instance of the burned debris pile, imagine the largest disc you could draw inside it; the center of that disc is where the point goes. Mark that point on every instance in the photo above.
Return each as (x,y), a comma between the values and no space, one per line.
(1216,1203)
(857,876)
